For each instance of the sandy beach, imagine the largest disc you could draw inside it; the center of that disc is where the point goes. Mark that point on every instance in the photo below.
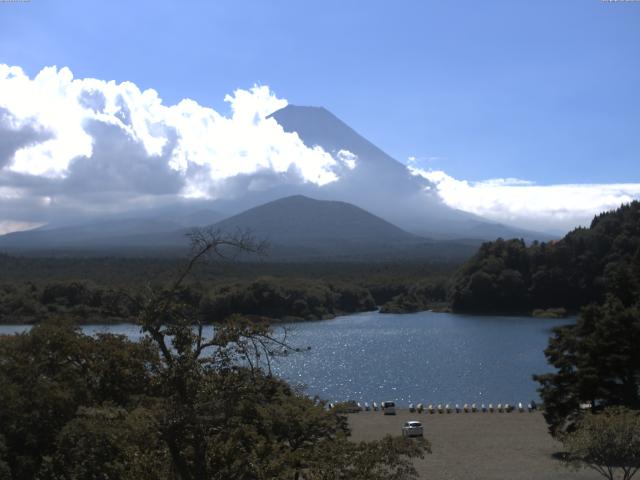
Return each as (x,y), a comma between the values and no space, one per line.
(482,446)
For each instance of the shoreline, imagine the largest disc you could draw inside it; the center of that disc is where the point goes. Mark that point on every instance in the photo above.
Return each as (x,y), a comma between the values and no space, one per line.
(300,320)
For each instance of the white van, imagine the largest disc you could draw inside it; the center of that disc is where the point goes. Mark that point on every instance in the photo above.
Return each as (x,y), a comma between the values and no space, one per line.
(389,408)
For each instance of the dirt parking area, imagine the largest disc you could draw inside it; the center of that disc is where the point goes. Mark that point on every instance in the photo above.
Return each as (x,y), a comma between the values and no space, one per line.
(482,446)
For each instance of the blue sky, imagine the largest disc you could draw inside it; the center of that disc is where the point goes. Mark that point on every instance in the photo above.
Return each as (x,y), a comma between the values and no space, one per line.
(547,91)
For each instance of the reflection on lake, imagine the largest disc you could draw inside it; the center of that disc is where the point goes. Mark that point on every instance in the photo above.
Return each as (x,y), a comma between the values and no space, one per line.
(422,357)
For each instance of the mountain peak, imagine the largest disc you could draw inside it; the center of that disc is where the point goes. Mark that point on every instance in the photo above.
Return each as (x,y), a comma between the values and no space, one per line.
(301,109)
(317,126)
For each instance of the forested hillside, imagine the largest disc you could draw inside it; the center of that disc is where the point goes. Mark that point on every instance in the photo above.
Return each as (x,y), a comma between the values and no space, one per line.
(506,276)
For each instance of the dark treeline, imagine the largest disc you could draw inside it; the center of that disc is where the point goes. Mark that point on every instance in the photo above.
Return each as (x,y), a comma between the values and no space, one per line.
(506,276)
(111,290)
(423,295)
(131,271)
(81,302)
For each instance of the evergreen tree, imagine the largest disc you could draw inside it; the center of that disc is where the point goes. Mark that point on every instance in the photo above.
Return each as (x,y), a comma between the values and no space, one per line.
(597,362)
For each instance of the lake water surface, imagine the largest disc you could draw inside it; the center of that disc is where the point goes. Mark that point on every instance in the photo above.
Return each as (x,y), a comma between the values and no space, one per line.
(423,357)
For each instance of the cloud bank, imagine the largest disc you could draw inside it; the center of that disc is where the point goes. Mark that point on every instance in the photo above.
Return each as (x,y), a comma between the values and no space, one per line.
(88,143)
(556,208)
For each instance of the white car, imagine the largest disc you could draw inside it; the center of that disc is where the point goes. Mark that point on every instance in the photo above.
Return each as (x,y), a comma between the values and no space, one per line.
(412,428)
(389,408)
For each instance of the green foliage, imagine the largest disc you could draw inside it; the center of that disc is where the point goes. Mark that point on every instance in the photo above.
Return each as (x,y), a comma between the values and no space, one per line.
(506,276)
(81,302)
(494,279)
(282,299)
(386,459)
(417,297)
(607,442)
(47,374)
(106,291)
(5,471)
(107,443)
(597,362)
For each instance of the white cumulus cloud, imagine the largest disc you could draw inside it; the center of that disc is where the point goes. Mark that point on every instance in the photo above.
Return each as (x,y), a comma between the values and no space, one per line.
(68,120)
(349,159)
(92,145)
(537,207)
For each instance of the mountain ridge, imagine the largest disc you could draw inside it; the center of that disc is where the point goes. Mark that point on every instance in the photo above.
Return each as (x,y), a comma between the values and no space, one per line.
(297,227)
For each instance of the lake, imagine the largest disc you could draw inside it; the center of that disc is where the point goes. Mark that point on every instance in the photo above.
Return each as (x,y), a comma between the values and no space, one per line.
(422,357)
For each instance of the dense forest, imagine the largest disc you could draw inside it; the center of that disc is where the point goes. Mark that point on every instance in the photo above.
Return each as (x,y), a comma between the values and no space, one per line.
(112,290)
(507,276)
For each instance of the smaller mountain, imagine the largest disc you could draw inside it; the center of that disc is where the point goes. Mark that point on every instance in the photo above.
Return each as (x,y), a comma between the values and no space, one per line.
(299,227)
(299,219)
